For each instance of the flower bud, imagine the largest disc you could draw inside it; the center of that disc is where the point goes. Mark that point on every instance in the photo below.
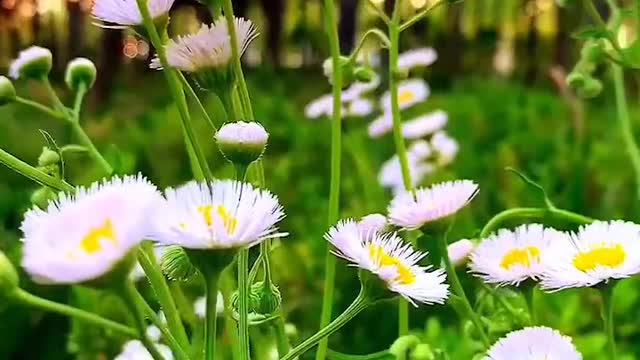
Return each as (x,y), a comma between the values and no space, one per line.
(175,263)
(422,352)
(404,345)
(575,79)
(270,298)
(32,63)
(459,251)
(592,87)
(364,73)
(42,197)
(242,142)
(48,157)
(9,279)
(7,91)
(348,71)
(593,51)
(80,71)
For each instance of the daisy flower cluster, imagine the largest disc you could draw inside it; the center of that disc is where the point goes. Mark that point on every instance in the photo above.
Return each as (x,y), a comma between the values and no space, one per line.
(598,253)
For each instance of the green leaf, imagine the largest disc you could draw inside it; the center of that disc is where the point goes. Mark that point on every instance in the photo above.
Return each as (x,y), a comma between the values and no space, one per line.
(51,142)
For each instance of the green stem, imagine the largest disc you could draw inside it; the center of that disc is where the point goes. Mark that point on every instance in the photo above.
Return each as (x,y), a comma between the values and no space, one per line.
(371,32)
(128,293)
(227,6)
(360,303)
(57,104)
(210,332)
(595,15)
(420,15)
(216,10)
(183,304)
(530,214)
(196,99)
(32,173)
(379,11)
(331,29)
(199,163)
(42,108)
(28,299)
(625,123)
(458,290)
(282,341)
(243,303)
(233,113)
(529,296)
(606,293)
(149,264)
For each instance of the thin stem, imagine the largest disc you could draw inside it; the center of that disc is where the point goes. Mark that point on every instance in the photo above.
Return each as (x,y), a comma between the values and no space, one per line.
(458,290)
(371,32)
(196,99)
(227,6)
(57,104)
(32,173)
(360,303)
(529,296)
(403,317)
(42,108)
(200,167)
(128,293)
(210,332)
(625,123)
(331,29)
(532,213)
(606,293)
(28,299)
(282,341)
(149,264)
(595,15)
(216,10)
(417,17)
(379,11)
(243,303)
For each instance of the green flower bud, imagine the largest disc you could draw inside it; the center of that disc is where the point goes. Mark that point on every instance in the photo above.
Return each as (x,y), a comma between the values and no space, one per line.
(242,142)
(176,265)
(32,63)
(80,71)
(9,280)
(291,331)
(401,74)
(592,87)
(347,67)
(404,345)
(270,298)
(254,298)
(576,80)
(422,352)
(48,157)
(7,91)
(593,51)
(42,197)
(364,73)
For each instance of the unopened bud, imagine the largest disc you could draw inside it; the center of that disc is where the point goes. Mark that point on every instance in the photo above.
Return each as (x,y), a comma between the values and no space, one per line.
(575,80)
(270,298)
(42,197)
(422,352)
(80,71)
(32,63)
(593,51)
(48,157)
(9,279)
(364,73)
(242,142)
(592,87)
(7,91)
(175,263)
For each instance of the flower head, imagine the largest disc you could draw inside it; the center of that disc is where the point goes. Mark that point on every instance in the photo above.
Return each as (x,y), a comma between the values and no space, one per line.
(431,204)
(221,214)
(392,260)
(126,12)
(445,146)
(242,142)
(597,253)
(511,257)
(207,53)
(34,62)
(533,343)
(410,92)
(417,57)
(424,125)
(83,236)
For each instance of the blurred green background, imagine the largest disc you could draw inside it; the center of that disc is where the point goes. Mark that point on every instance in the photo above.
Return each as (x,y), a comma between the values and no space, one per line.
(519,118)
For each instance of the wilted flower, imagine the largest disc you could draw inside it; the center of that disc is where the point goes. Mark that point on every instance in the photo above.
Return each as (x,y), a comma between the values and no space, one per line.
(533,343)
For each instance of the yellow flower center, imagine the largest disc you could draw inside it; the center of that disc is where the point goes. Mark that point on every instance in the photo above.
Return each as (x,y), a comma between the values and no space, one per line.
(608,255)
(91,243)
(406,96)
(380,256)
(520,256)
(229,222)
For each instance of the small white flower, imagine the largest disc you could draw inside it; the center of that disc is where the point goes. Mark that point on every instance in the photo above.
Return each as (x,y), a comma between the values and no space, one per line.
(207,49)
(410,92)
(420,150)
(445,146)
(417,57)
(381,125)
(83,236)
(373,223)
(424,125)
(388,257)
(221,214)
(358,88)
(511,257)
(390,175)
(135,350)
(460,250)
(31,62)
(359,108)
(126,12)
(322,106)
(534,343)
(200,306)
(431,204)
(597,253)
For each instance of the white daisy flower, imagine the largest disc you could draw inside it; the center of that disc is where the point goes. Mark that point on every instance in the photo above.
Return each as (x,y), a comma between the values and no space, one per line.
(417,57)
(200,306)
(511,257)
(322,106)
(207,52)
(221,214)
(445,146)
(83,236)
(411,211)
(358,88)
(460,250)
(420,150)
(359,108)
(31,63)
(388,257)
(126,12)
(410,92)
(597,253)
(424,125)
(381,125)
(373,223)
(390,175)
(534,343)
(135,350)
